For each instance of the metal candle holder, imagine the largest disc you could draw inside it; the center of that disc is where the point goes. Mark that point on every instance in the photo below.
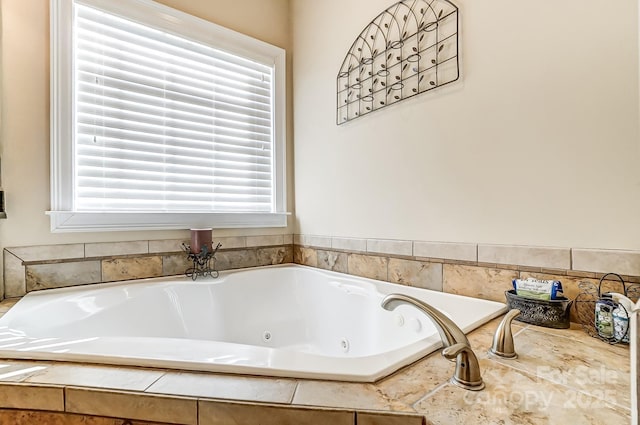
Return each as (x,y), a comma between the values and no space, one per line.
(204,262)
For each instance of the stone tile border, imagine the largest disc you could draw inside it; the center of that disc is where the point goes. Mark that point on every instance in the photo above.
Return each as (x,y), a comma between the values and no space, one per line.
(173,409)
(558,258)
(576,261)
(469,278)
(33,268)
(452,251)
(25,267)
(624,262)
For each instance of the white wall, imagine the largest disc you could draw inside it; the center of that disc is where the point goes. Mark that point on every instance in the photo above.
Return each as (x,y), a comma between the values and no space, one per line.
(537,145)
(24,141)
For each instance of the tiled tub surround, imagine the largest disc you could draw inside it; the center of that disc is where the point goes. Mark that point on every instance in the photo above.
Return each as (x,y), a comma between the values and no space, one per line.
(33,268)
(417,263)
(480,271)
(571,378)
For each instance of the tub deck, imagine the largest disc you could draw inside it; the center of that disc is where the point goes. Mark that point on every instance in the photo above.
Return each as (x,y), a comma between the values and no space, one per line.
(561,376)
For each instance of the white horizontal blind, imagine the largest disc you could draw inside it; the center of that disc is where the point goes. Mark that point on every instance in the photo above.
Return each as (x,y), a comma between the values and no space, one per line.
(167,124)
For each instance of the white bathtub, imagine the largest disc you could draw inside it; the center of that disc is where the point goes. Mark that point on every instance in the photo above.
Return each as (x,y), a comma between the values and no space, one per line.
(285,320)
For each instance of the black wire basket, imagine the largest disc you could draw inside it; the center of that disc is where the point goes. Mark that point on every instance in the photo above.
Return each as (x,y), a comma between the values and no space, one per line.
(547,313)
(590,295)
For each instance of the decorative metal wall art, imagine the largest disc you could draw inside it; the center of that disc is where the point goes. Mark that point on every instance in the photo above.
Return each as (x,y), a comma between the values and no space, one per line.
(410,48)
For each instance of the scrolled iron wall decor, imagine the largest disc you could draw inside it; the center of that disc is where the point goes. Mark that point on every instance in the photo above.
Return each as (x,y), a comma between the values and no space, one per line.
(410,48)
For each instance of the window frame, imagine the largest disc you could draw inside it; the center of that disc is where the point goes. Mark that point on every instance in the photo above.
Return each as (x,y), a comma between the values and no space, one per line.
(63,216)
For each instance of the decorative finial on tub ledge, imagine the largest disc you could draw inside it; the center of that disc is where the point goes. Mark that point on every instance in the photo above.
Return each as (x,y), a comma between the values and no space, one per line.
(457,347)
(503,345)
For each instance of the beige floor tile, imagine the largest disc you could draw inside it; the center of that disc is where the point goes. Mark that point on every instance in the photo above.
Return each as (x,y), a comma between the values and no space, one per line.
(174,410)
(270,390)
(32,396)
(592,367)
(413,382)
(30,417)
(512,397)
(96,376)
(6,304)
(346,395)
(18,371)
(220,413)
(366,418)
(578,333)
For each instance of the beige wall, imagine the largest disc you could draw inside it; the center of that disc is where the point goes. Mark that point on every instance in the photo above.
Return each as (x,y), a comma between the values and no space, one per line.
(536,145)
(24,140)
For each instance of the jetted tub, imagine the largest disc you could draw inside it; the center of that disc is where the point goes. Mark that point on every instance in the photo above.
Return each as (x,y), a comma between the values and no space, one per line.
(288,320)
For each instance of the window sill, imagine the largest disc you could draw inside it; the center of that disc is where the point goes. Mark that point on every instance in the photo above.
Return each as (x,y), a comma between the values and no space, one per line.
(73,221)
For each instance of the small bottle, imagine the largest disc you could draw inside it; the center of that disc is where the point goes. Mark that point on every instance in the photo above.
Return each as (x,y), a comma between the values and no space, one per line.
(621,316)
(604,317)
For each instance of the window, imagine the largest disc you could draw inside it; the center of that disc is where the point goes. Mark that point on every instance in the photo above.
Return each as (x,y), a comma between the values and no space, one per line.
(161,120)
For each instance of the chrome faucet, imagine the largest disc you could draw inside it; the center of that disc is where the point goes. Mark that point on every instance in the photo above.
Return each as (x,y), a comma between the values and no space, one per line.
(502,345)
(456,345)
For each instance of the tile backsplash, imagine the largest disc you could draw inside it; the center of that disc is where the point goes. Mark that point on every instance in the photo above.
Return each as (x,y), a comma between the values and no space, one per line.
(34,268)
(478,270)
(587,262)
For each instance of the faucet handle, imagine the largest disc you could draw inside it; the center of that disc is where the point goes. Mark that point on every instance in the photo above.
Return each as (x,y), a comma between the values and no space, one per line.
(503,345)
(467,373)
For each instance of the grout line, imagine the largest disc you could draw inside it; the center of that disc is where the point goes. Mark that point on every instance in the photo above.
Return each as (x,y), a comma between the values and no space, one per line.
(198,411)
(520,331)
(570,258)
(163,374)
(386,263)
(429,394)
(295,390)
(101,271)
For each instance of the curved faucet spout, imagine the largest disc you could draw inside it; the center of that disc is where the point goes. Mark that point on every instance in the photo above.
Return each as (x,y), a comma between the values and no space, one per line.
(457,347)
(449,332)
